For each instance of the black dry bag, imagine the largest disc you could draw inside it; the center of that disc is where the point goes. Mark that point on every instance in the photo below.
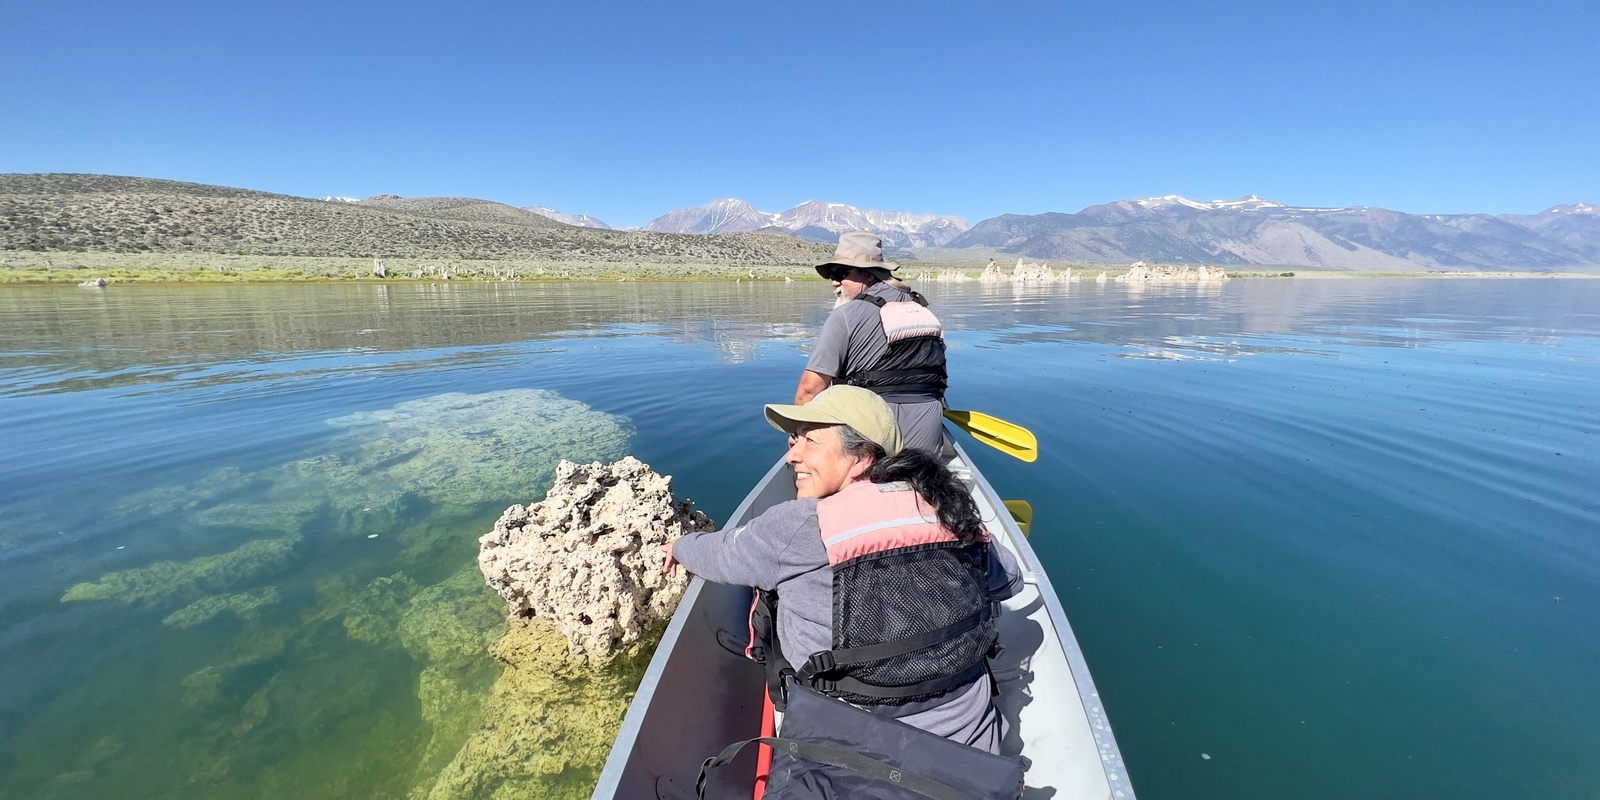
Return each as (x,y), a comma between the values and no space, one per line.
(831,749)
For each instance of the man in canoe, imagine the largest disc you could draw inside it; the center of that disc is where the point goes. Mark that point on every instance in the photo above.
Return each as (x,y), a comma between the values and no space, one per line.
(880,336)
(886,542)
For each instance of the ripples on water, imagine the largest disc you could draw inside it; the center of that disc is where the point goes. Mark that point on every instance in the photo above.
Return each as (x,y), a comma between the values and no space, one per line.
(1338,535)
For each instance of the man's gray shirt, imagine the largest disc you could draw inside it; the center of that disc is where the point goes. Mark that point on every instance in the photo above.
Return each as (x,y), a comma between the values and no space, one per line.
(852,339)
(782,549)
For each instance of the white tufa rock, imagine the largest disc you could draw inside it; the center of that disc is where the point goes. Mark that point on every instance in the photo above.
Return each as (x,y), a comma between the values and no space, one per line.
(1032,273)
(1139,273)
(586,560)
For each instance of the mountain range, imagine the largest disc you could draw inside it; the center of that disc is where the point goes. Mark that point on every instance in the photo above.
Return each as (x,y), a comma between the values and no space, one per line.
(815,221)
(66,212)
(1251,230)
(575,220)
(1247,230)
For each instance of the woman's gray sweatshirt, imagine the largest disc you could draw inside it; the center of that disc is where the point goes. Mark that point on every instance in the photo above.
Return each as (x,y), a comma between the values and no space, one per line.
(782,549)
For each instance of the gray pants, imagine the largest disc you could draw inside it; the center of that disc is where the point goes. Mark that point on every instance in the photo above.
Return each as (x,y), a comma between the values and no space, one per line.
(921,425)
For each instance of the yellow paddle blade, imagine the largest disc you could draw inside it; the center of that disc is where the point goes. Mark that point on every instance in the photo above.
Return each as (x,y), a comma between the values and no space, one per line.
(1013,440)
(1022,512)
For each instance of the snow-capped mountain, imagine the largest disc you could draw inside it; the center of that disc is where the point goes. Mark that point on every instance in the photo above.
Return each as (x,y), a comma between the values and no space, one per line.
(814,220)
(577,220)
(824,222)
(1576,225)
(1248,202)
(1251,230)
(718,216)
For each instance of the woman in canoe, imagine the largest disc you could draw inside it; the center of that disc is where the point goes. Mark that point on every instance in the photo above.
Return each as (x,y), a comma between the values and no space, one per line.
(888,582)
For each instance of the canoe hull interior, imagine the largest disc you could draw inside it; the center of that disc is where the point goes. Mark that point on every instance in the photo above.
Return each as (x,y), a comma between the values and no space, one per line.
(707,697)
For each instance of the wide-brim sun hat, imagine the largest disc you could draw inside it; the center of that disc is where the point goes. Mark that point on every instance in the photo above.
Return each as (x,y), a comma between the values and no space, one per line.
(861,409)
(859,249)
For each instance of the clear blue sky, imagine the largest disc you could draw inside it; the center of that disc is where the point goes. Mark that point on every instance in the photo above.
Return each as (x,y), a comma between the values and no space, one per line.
(627,110)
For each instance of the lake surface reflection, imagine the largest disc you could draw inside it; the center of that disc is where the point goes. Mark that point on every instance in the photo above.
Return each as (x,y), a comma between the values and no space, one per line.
(1338,536)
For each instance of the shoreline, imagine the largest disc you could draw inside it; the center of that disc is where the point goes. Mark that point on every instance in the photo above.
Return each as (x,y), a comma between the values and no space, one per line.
(24,268)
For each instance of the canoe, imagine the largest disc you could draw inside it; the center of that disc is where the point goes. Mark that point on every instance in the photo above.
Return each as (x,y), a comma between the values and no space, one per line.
(698,696)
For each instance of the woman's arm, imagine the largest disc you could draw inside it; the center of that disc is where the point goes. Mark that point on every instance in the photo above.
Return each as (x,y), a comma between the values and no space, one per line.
(755,553)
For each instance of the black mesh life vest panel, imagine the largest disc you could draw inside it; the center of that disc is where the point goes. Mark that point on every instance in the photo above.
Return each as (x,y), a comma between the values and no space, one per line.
(895,595)
(911,370)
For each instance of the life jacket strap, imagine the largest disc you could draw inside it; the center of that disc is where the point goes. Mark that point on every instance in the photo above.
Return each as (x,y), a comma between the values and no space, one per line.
(842,758)
(765,649)
(916,297)
(931,686)
(827,661)
(895,376)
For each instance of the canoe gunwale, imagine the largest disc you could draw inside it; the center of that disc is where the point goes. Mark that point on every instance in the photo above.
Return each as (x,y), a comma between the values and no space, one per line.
(1110,754)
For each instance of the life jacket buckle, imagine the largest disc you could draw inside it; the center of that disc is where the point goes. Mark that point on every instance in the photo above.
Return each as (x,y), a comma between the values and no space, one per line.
(821,663)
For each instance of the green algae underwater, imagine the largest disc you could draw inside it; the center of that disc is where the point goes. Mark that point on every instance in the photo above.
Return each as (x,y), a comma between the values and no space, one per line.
(331,636)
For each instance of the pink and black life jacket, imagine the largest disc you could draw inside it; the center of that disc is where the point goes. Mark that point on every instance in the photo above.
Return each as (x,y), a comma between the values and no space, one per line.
(912,614)
(913,368)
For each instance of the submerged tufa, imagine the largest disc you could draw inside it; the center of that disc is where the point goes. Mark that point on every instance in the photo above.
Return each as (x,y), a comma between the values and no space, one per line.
(586,558)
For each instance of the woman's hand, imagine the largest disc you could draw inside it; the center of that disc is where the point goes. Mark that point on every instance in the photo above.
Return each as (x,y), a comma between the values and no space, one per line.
(668,564)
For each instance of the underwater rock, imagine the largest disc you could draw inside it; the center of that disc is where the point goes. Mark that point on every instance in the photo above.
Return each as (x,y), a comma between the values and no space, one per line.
(448,628)
(244,605)
(373,615)
(186,581)
(546,725)
(452,623)
(585,558)
(288,516)
(255,645)
(179,497)
(464,451)
(372,682)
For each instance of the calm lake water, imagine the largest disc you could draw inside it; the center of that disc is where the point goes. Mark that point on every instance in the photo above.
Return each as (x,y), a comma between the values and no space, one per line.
(1318,539)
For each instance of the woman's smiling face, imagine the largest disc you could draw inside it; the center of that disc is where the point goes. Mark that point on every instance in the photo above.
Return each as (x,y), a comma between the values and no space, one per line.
(821,466)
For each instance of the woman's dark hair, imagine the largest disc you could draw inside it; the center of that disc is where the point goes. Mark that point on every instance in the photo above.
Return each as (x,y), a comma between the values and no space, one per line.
(956,509)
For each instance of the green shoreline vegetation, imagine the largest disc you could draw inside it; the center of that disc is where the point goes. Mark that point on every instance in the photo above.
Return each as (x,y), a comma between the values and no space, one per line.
(57,268)
(74,268)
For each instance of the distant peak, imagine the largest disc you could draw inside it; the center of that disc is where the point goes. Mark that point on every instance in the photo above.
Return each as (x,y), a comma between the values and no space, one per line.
(1247,202)
(1165,201)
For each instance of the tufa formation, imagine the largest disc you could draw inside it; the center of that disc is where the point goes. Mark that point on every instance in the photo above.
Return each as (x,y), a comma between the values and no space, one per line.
(586,560)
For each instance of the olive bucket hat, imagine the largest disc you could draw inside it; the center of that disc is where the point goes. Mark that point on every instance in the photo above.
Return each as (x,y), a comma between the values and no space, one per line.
(861,409)
(859,249)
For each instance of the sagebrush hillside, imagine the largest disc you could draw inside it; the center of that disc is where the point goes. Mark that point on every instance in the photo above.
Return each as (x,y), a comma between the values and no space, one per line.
(110,214)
